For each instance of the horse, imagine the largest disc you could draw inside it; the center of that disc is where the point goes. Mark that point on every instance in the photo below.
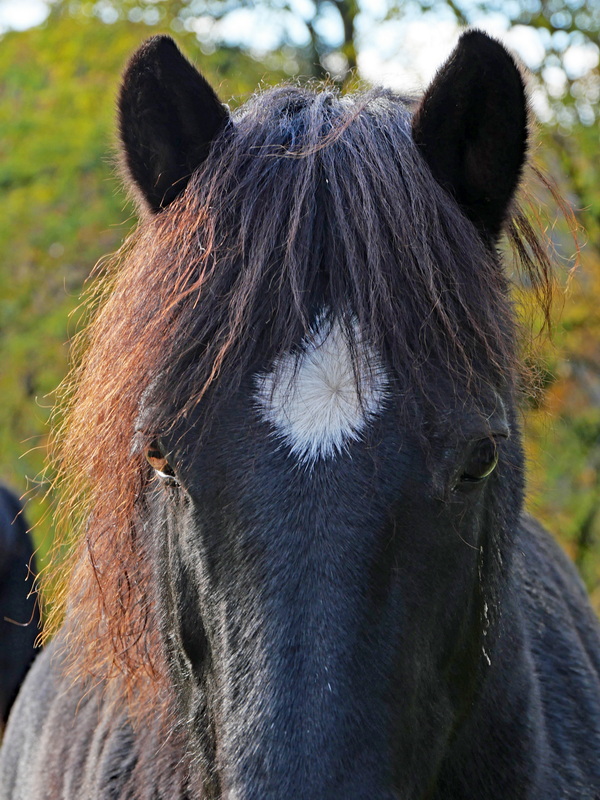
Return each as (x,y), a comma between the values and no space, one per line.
(291,459)
(19,611)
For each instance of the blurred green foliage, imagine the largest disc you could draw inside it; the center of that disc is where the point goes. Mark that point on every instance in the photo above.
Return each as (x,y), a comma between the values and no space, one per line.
(64,208)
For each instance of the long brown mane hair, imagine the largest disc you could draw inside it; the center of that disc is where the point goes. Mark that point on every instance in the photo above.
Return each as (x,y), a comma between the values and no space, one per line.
(308,199)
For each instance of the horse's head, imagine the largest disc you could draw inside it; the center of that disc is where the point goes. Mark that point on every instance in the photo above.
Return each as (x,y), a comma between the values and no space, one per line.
(327,408)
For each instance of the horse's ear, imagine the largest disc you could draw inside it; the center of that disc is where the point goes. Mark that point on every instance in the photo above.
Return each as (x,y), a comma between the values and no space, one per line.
(168,117)
(471,127)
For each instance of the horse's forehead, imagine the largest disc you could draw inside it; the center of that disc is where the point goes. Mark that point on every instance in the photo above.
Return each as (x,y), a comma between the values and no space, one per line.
(322,398)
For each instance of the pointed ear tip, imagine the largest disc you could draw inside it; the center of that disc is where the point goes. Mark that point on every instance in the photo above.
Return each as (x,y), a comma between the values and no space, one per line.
(156,50)
(159,48)
(476,35)
(477,41)
(160,41)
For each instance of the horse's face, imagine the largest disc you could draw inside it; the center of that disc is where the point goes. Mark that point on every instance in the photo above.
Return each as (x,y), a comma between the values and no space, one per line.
(319,609)
(321,542)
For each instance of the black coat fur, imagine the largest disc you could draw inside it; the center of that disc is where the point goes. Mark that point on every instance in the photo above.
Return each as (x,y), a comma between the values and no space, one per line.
(19,612)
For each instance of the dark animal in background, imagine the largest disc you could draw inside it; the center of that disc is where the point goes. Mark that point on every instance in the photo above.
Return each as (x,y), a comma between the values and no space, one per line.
(19,611)
(304,570)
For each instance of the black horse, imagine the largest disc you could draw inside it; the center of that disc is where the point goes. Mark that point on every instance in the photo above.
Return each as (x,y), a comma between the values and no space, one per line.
(294,457)
(19,611)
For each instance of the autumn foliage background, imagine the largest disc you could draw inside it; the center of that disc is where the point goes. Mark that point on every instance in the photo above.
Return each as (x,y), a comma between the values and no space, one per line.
(63,208)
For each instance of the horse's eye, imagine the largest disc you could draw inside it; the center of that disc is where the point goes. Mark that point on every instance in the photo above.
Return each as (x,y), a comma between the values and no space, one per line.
(160,465)
(481,462)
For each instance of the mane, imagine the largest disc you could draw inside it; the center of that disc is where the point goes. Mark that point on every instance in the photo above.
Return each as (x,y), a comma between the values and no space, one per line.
(308,201)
